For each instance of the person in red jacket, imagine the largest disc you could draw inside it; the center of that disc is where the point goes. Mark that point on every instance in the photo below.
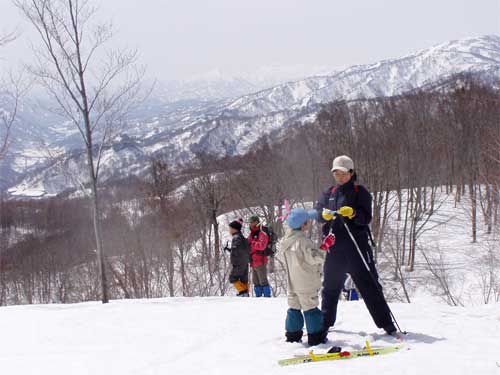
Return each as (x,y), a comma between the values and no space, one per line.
(258,241)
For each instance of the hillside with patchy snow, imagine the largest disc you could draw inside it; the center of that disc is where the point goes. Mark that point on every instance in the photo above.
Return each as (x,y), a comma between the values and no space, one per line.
(226,126)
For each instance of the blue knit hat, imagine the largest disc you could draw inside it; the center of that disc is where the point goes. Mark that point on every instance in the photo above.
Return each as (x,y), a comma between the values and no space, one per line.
(299,216)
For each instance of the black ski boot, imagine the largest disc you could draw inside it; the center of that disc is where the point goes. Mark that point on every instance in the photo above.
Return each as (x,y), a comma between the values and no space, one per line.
(294,336)
(390,329)
(317,338)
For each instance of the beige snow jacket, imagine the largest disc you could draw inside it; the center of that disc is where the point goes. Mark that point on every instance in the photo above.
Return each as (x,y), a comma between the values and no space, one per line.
(303,261)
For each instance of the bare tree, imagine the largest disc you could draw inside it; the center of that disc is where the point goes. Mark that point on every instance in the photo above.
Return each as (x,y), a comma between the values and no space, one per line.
(7,38)
(11,90)
(209,193)
(161,189)
(439,270)
(93,86)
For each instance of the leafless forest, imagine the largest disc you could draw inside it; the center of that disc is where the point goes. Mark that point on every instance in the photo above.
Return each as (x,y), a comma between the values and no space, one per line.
(163,236)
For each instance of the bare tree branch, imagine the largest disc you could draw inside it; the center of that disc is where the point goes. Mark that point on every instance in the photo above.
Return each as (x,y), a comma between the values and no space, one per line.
(13,90)
(8,38)
(87,89)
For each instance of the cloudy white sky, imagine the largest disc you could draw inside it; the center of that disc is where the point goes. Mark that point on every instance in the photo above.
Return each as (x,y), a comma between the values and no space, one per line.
(183,38)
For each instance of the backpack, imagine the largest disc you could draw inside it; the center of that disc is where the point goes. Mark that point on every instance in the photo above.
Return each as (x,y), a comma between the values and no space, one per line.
(270,250)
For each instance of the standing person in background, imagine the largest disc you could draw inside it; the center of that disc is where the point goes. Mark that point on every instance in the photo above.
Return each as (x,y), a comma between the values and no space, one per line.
(350,292)
(240,254)
(258,240)
(354,203)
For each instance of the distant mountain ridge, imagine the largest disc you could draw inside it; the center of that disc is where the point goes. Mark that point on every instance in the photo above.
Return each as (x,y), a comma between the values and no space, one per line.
(225,126)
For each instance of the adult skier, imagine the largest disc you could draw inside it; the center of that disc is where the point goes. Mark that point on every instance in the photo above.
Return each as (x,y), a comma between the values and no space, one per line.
(354,203)
(240,253)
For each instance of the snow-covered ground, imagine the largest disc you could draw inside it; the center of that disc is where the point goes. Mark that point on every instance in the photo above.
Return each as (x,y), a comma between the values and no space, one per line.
(230,335)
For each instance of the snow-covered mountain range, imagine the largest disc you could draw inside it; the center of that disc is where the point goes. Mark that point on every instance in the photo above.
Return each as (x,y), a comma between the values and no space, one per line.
(217,84)
(213,121)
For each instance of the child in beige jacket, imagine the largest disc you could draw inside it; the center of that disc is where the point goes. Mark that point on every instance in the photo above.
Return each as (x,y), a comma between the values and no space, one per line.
(304,262)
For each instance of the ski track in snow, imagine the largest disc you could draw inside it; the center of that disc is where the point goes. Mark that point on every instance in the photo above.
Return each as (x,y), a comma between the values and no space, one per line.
(228,335)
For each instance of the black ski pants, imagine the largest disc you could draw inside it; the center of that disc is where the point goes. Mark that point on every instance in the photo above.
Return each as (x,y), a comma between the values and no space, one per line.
(344,259)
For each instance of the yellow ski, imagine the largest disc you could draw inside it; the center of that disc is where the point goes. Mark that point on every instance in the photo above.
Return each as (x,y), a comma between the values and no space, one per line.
(367,352)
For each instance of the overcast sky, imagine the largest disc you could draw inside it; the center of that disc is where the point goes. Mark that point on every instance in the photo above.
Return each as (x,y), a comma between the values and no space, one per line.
(184,38)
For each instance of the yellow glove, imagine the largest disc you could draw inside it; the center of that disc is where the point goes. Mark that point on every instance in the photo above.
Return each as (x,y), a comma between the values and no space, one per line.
(327,214)
(346,211)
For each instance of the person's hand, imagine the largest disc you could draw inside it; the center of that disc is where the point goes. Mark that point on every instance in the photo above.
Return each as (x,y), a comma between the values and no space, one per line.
(327,214)
(328,242)
(346,211)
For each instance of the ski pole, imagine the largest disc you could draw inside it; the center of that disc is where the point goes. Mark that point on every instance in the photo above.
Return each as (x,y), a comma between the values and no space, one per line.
(369,270)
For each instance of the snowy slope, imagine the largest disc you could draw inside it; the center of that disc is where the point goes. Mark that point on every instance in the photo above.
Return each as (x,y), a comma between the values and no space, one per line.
(228,335)
(231,126)
(384,78)
(446,240)
(224,335)
(217,84)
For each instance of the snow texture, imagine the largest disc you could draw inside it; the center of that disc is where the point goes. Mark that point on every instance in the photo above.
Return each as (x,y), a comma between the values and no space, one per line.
(230,335)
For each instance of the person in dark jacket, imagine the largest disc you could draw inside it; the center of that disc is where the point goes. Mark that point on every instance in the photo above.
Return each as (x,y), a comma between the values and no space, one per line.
(240,257)
(354,203)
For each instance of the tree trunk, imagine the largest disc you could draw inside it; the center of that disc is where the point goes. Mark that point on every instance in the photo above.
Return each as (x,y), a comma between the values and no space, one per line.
(473,200)
(97,230)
